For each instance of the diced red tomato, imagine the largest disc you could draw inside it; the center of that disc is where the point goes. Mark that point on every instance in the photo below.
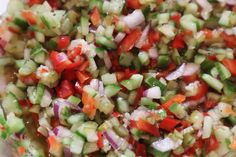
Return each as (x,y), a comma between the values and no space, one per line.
(147,127)
(65,90)
(138,96)
(59,61)
(76,63)
(55,122)
(89,107)
(95,16)
(120,76)
(153,37)
(230,40)
(176,18)
(128,42)
(25,103)
(202,91)
(178,42)
(159,2)
(78,88)
(212,57)
(69,75)
(133,4)
(72,54)
(29,16)
(129,73)
(55,4)
(100,140)
(140,150)
(209,103)
(63,42)
(117,114)
(211,144)
(230,64)
(32,2)
(83,77)
(190,78)
(29,79)
(169,124)
(84,66)
(208,33)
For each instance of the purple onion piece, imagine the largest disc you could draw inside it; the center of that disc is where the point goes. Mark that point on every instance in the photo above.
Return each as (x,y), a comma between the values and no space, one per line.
(67,152)
(56,110)
(111,141)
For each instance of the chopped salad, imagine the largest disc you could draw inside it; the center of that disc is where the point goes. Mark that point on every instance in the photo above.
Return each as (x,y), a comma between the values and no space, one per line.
(119,78)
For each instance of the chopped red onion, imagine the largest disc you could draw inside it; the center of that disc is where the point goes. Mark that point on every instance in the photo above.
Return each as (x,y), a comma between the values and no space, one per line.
(154,93)
(193,103)
(231,2)
(190,69)
(143,37)
(177,73)
(67,152)
(134,19)
(107,61)
(62,57)
(62,132)
(206,6)
(120,36)
(56,110)
(112,138)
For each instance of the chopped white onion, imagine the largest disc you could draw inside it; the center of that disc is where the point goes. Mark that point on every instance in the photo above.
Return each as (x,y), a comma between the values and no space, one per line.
(206,8)
(143,37)
(177,73)
(46,99)
(120,36)
(190,69)
(165,145)
(107,61)
(154,93)
(134,19)
(26,54)
(62,132)
(152,52)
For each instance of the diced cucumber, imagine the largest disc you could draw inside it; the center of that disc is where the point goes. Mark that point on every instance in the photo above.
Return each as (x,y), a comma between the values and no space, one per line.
(213,82)
(163,18)
(20,63)
(225,18)
(163,61)
(190,22)
(74,100)
(137,80)
(6,61)
(15,124)
(39,93)
(126,59)
(12,88)
(207,65)
(20,84)
(77,144)
(229,89)
(223,71)
(168,30)
(152,82)
(90,147)
(122,105)
(76,118)
(132,96)
(103,41)
(21,23)
(148,102)
(198,59)
(109,78)
(92,92)
(88,130)
(111,90)
(144,58)
(84,24)
(40,58)
(133,83)
(105,105)
(10,104)
(136,64)
(29,67)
